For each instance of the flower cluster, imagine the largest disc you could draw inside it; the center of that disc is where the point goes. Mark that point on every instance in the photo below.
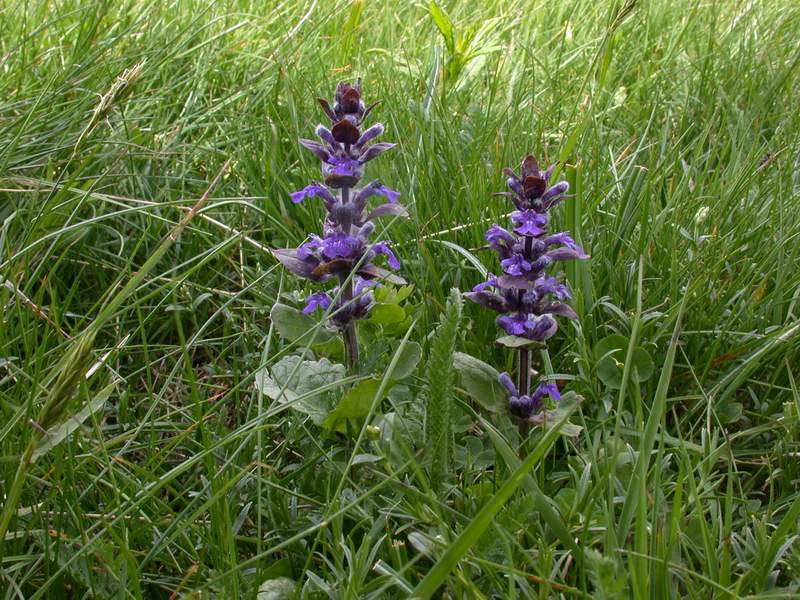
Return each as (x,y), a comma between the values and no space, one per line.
(344,250)
(523,406)
(528,299)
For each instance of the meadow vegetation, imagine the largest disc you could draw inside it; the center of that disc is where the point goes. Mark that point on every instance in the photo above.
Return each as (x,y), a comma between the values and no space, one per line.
(162,435)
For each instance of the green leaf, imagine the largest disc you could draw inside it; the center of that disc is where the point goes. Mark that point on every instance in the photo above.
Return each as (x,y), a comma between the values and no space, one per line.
(481,381)
(409,357)
(280,588)
(444,25)
(515,341)
(304,384)
(294,325)
(610,354)
(354,406)
(387,314)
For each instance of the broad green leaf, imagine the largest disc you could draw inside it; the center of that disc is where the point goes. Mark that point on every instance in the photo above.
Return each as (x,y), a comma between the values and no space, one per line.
(294,325)
(280,588)
(610,354)
(481,381)
(515,341)
(387,314)
(296,381)
(354,406)
(409,357)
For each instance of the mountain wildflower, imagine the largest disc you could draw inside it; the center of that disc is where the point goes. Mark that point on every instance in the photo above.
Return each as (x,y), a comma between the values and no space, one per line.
(527,298)
(344,252)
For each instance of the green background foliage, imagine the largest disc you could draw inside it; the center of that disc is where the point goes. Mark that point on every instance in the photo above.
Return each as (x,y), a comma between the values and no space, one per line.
(167,471)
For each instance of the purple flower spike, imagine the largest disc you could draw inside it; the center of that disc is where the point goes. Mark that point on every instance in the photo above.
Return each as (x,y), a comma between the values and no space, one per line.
(343,148)
(527,298)
(315,301)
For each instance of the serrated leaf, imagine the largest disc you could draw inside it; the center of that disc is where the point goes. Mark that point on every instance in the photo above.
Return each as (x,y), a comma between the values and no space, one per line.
(481,381)
(294,325)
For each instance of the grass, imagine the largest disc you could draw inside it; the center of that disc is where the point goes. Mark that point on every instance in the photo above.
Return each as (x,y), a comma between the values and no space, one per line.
(128,354)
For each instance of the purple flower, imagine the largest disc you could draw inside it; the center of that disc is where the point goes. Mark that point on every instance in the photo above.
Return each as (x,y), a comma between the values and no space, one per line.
(515,265)
(340,245)
(383,248)
(533,327)
(524,406)
(547,389)
(550,285)
(310,248)
(499,237)
(491,281)
(315,301)
(529,222)
(311,191)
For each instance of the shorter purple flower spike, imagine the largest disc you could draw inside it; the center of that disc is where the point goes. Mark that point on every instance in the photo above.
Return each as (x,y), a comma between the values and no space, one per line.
(315,301)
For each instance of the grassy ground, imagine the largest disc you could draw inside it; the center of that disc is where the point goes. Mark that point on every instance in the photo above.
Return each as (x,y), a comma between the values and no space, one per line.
(678,123)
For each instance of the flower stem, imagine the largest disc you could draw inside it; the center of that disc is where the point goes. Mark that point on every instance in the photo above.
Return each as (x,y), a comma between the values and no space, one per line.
(524,375)
(349,331)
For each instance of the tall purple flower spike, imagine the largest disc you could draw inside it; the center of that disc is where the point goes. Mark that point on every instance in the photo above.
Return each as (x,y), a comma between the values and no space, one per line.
(528,299)
(344,252)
